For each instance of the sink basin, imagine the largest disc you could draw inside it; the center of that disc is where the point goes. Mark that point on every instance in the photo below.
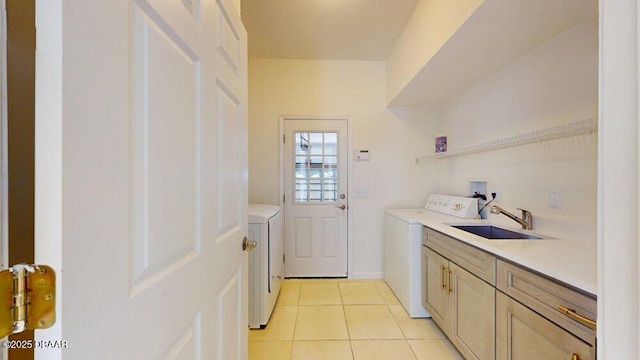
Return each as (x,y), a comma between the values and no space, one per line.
(494,233)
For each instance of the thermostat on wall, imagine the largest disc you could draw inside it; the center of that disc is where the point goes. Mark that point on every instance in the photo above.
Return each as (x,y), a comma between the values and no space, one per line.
(361,155)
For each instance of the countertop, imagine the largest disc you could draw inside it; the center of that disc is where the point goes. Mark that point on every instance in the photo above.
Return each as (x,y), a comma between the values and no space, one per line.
(571,261)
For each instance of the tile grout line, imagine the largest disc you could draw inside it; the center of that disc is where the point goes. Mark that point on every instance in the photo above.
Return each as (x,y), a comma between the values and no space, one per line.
(344,314)
(324,340)
(295,323)
(397,323)
(392,315)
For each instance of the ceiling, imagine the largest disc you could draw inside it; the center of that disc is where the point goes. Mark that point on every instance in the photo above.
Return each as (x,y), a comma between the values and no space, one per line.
(324,29)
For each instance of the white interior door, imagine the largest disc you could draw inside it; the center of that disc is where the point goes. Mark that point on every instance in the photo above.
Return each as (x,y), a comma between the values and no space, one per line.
(316,207)
(3,140)
(141,177)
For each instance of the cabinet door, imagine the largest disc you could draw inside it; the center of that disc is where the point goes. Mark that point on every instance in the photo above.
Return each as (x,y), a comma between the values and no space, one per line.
(473,304)
(524,334)
(437,294)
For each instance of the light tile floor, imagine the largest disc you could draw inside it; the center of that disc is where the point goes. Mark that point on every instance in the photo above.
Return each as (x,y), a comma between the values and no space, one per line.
(345,319)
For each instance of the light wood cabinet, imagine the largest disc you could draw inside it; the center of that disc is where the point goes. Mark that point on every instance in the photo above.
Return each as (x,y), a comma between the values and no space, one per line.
(472,302)
(523,334)
(530,324)
(462,304)
(494,309)
(478,262)
(436,294)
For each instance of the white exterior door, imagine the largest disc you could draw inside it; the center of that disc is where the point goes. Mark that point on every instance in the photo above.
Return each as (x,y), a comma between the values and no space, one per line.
(141,177)
(315,188)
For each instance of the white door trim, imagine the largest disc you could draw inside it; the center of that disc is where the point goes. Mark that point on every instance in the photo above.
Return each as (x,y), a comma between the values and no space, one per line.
(48,189)
(618,180)
(281,150)
(4,169)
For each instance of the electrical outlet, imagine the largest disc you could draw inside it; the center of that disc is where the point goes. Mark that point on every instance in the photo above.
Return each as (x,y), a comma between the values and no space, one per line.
(362,193)
(555,200)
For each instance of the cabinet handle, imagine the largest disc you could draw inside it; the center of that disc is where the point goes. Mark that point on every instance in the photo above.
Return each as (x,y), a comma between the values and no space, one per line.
(575,356)
(449,280)
(577,317)
(442,279)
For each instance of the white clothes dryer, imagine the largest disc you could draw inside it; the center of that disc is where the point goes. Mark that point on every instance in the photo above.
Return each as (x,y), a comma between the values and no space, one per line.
(266,269)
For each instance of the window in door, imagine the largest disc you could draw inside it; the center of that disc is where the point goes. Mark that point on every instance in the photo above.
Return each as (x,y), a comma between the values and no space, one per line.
(316,168)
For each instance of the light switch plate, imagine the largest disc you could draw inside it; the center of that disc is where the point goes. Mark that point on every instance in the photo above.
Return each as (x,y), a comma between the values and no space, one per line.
(555,200)
(362,193)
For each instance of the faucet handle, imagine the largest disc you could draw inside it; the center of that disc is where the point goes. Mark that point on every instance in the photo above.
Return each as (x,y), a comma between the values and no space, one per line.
(527,217)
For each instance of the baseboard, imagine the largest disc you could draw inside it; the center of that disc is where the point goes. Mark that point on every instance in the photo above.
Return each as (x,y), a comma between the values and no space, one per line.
(366,275)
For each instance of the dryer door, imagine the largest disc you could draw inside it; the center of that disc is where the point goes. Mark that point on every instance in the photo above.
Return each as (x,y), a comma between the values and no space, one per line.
(276,252)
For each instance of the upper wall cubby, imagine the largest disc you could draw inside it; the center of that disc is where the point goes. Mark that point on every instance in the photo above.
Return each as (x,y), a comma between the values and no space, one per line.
(497,33)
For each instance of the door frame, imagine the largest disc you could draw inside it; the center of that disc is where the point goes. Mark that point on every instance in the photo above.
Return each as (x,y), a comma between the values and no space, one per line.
(4,140)
(281,175)
(618,168)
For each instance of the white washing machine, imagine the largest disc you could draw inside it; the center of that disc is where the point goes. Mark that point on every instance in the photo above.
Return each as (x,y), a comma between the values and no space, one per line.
(403,245)
(266,268)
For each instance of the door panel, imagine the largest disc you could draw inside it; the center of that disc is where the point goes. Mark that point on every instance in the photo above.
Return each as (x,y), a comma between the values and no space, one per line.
(437,293)
(315,176)
(228,136)
(185,346)
(228,41)
(231,117)
(302,238)
(331,237)
(524,334)
(193,6)
(165,125)
(155,179)
(230,324)
(473,303)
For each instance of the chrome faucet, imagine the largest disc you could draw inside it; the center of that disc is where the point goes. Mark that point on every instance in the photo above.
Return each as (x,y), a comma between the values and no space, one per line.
(526,221)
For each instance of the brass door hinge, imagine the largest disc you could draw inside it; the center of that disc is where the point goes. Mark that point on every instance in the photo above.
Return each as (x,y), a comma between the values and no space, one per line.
(27,298)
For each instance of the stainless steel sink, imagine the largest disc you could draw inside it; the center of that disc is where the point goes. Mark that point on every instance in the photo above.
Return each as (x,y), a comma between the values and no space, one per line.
(494,233)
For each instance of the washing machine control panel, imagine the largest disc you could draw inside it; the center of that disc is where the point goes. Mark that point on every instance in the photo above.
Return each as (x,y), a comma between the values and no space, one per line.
(462,207)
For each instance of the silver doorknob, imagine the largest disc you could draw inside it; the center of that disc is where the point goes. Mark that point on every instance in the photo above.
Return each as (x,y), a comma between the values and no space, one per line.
(248,245)
(341,207)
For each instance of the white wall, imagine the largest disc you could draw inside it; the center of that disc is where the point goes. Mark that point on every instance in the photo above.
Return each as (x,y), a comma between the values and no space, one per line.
(552,85)
(393,137)
(432,23)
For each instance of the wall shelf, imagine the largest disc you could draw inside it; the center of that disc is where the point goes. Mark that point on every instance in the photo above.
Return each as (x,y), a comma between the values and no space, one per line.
(561,131)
